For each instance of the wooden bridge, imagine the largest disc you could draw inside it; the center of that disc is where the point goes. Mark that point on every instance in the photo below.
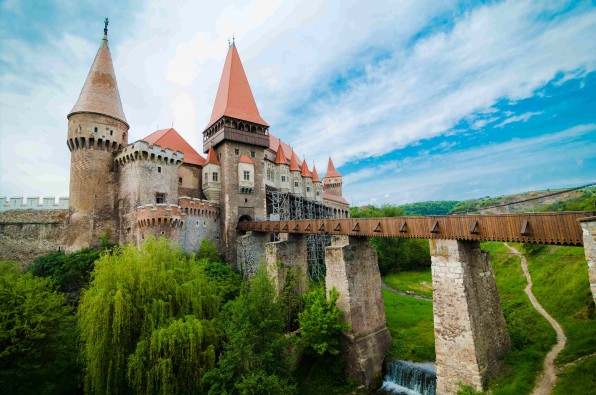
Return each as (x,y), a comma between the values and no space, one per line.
(538,228)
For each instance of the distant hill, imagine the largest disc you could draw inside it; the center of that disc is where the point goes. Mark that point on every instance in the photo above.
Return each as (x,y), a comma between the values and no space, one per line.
(440,207)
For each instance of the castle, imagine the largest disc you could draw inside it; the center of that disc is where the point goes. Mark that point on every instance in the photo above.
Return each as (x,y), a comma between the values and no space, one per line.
(160,185)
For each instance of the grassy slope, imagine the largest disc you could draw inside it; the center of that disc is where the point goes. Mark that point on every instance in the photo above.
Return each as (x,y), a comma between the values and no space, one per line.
(410,322)
(418,282)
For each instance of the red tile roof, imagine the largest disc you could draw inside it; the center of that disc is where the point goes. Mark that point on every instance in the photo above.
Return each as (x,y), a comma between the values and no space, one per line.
(338,199)
(275,143)
(315,175)
(212,157)
(294,162)
(245,159)
(100,93)
(169,138)
(304,172)
(234,96)
(280,158)
(331,172)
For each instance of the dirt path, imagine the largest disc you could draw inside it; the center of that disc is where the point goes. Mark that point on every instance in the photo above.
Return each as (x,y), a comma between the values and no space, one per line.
(548,377)
(411,295)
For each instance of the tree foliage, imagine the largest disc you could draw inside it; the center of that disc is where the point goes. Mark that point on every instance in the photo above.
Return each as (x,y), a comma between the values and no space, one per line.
(254,360)
(320,322)
(147,321)
(38,350)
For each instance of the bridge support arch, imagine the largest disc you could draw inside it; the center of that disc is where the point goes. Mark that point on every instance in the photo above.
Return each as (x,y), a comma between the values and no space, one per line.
(589,234)
(471,337)
(352,268)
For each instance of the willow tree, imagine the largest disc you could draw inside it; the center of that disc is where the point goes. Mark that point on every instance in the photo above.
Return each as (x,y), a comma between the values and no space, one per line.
(147,322)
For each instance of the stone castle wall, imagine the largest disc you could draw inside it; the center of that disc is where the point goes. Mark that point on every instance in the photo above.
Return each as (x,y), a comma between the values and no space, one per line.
(33,203)
(27,234)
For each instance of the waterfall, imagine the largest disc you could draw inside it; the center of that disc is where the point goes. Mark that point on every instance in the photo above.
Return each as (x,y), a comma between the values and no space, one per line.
(409,378)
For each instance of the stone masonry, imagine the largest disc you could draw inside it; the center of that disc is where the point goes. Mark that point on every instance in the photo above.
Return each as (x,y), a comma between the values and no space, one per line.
(283,255)
(589,232)
(471,337)
(353,270)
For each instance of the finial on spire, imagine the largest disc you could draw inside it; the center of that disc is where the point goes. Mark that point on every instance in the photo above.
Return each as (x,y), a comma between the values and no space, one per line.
(233,40)
(105,29)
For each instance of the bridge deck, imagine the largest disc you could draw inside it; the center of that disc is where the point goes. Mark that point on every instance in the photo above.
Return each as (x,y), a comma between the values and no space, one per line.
(539,228)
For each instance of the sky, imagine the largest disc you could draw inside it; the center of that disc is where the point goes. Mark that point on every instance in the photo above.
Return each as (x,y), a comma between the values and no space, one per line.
(413,100)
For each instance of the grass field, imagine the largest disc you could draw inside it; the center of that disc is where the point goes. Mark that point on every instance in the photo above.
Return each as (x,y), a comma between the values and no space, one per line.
(418,282)
(410,322)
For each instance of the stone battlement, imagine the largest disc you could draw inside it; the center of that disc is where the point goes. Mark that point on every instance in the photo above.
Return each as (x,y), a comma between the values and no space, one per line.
(194,207)
(141,150)
(152,215)
(33,203)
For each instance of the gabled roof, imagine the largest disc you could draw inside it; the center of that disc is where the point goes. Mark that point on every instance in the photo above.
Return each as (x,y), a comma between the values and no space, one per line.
(212,157)
(100,93)
(315,175)
(304,172)
(169,138)
(280,158)
(294,162)
(245,159)
(234,96)
(331,172)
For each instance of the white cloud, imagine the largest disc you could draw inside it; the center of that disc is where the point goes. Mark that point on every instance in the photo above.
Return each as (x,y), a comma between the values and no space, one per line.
(518,118)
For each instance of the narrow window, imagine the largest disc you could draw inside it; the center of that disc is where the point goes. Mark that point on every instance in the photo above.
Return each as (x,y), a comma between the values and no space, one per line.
(95,130)
(179,180)
(158,169)
(295,184)
(111,132)
(252,153)
(236,151)
(215,176)
(283,178)
(307,189)
(160,198)
(246,175)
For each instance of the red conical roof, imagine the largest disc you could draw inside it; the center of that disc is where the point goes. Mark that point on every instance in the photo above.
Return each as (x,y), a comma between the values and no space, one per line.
(331,172)
(304,172)
(280,158)
(294,162)
(100,93)
(212,157)
(234,96)
(315,175)
(170,138)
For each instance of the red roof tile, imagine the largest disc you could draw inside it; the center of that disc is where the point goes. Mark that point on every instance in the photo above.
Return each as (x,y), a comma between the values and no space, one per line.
(338,199)
(212,157)
(280,158)
(294,162)
(245,159)
(331,172)
(275,143)
(169,138)
(315,175)
(100,93)
(234,96)
(304,172)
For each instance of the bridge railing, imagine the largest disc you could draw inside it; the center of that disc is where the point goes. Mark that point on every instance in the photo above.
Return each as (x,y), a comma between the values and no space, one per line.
(539,228)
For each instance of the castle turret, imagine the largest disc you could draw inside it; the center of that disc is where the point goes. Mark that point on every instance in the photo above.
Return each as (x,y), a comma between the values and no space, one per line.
(332,182)
(295,176)
(317,185)
(307,188)
(211,177)
(283,170)
(236,128)
(96,128)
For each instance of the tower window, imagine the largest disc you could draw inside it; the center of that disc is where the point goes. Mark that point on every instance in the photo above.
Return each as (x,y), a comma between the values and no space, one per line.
(236,151)
(180,180)
(111,132)
(246,175)
(252,153)
(307,189)
(160,198)
(158,169)
(283,178)
(215,176)
(95,130)
(295,184)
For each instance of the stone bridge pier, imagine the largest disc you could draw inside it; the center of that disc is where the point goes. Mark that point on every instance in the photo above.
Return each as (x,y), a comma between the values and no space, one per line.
(352,268)
(471,337)
(288,254)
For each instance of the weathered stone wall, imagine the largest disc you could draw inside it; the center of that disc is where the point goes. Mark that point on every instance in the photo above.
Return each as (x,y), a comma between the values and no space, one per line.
(199,228)
(27,234)
(589,232)
(352,268)
(250,249)
(471,337)
(280,256)
(233,204)
(191,185)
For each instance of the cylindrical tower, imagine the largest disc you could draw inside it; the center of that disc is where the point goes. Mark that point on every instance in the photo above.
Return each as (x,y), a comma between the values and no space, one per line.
(96,128)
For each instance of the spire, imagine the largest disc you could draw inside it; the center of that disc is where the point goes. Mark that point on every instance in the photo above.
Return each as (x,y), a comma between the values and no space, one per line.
(294,162)
(331,172)
(100,93)
(304,172)
(315,175)
(212,157)
(280,157)
(234,96)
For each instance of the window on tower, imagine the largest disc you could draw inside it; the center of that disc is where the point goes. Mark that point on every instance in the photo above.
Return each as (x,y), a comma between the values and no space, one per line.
(283,178)
(160,198)
(246,175)
(158,169)
(236,151)
(295,184)
(215,176)
(252,153)
(307,189)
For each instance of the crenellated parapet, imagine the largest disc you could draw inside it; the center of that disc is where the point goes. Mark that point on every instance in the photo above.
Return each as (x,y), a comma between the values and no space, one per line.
(160,215)
(33,203)
(194,207)
(141,150)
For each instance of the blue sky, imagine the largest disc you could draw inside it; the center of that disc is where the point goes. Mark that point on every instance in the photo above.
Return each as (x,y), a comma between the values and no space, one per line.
(414,100)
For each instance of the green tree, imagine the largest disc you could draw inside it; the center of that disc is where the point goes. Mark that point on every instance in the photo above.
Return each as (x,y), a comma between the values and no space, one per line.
(254,359)
(147,321)
(208,250)
(320,322)
(38,350)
